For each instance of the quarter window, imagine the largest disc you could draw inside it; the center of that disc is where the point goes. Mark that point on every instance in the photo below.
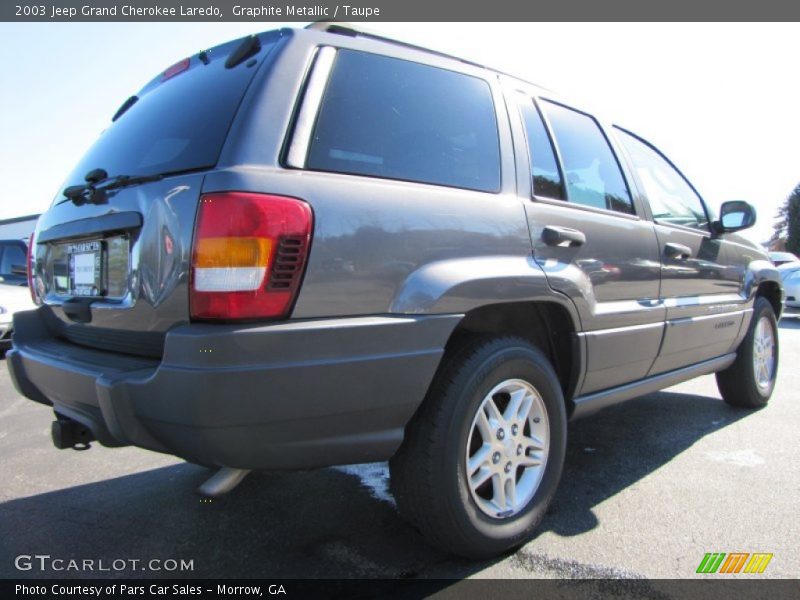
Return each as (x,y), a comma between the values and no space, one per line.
(671,198)
(591,170)
(546,177)
(397,119)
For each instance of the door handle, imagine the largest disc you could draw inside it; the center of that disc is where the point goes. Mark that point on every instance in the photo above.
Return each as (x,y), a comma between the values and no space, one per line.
(553,235)
(650,302)
(678,251)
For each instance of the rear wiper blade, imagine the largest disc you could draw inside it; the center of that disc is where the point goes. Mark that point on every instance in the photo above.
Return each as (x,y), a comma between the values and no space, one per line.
(124,108)
(98,183)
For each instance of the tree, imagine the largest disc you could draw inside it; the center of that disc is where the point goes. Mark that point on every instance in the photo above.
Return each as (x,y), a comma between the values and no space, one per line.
(787,222)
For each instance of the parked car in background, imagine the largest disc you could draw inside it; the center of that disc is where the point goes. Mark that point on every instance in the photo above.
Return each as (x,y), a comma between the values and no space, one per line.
(12,262)
(790,275)
(321,247)
(781,258)
(14,293)
(13,298)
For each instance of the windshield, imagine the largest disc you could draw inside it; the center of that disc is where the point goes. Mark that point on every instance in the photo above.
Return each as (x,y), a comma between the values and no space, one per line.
(180,120)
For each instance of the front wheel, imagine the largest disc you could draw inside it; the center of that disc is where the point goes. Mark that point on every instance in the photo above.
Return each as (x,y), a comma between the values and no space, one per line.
(749,381)
(483,456)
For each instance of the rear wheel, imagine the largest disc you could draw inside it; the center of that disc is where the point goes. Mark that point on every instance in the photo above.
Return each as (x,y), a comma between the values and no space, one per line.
(483,456)
(749,381)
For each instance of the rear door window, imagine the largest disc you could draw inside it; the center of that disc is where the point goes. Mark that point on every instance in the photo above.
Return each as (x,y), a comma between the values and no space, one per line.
(591,170)
(385,117)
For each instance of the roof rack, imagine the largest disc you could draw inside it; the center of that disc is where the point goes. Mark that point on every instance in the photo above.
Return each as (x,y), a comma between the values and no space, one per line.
(350,30)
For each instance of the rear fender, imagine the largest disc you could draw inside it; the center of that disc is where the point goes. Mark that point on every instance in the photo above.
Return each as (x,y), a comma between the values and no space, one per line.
(461,285)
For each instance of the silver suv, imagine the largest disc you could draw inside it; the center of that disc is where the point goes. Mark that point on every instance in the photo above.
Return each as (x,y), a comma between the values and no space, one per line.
(319,247)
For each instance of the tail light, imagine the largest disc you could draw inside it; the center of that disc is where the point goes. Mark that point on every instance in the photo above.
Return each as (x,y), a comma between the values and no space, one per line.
(248,256)
(31,269)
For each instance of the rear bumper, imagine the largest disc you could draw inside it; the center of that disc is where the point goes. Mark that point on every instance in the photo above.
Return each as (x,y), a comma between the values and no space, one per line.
(284,396)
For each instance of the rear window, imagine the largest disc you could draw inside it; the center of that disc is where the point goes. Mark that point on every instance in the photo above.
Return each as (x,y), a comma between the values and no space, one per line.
(392,118)
(178,123)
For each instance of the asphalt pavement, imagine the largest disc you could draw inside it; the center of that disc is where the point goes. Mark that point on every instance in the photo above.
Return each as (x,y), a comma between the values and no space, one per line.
(649,487)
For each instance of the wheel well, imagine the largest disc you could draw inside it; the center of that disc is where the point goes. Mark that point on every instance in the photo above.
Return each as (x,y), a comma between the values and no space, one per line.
(772,292)
(547,325)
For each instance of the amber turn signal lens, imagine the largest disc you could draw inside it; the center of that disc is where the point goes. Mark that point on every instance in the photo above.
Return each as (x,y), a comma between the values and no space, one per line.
(220,252)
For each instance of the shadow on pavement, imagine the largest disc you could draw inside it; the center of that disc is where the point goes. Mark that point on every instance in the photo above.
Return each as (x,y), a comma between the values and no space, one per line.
(320,524)
(324,523)
(622,444)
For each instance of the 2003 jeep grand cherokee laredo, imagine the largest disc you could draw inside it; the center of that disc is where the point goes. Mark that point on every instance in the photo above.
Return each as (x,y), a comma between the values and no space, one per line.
(319,247)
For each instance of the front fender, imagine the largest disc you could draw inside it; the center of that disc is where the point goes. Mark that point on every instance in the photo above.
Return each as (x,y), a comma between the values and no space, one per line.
(758,272)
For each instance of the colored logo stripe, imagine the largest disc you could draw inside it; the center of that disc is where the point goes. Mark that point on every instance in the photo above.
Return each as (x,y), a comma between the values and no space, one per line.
(734,563)
(711,562)
(758,563)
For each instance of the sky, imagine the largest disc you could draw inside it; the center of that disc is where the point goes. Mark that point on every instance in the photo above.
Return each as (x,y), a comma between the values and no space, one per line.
(720,100)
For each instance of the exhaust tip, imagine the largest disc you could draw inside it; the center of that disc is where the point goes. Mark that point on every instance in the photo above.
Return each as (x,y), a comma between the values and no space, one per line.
(222,482)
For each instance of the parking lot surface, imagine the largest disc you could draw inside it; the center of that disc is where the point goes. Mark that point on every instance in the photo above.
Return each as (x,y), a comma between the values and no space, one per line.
(649,487)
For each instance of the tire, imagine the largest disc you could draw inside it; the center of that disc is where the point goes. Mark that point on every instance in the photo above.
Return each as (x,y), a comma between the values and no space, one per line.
(429,476)
(749,381)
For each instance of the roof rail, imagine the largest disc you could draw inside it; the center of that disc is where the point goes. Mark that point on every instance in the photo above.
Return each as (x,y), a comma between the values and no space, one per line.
(350,30)
(332,26)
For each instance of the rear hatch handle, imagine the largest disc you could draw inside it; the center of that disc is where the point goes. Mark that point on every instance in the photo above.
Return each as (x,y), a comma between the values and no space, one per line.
(117,221)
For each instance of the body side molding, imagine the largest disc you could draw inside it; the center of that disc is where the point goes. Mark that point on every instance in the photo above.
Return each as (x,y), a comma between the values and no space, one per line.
(586,405)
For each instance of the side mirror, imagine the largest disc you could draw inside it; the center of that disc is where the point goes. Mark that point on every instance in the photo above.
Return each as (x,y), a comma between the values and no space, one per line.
(735,215)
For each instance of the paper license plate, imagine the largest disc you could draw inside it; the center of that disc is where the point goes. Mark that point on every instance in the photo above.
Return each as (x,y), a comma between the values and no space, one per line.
(85,268)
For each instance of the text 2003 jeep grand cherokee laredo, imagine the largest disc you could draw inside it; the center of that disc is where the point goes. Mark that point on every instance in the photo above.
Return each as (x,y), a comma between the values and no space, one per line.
(319,247)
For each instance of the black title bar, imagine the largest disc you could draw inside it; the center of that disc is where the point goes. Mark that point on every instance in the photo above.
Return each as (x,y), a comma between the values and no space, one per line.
(398,10)
(709,588)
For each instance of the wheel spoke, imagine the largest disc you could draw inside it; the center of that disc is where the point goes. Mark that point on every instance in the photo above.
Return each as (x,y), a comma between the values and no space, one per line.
(492,412)
(514,404)
(480,476)
(532,442)
(526,460)
(511,490)
(499,492)
(483,425)
(525,409)
(480,458)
